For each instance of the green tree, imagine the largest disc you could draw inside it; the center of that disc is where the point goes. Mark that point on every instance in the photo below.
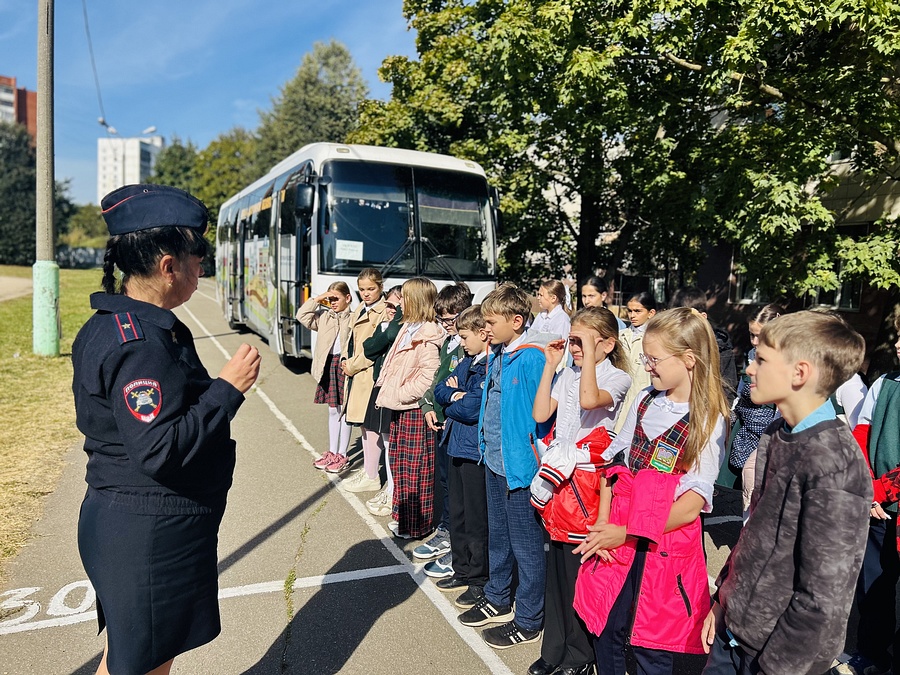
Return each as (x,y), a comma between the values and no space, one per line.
(18,197)
(86,228)
(638,132)
(175,165)
(223,168)
(318,104)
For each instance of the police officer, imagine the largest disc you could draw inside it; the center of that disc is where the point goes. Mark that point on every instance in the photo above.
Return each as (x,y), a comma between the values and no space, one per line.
(157,436)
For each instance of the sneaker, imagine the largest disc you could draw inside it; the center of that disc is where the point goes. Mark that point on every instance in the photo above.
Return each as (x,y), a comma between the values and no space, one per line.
(436,547)
(394,527)
(324,460)
(484,612)
(360,482)
(509,635)
(338,463)
(470,598)
(440,568)
(381,504)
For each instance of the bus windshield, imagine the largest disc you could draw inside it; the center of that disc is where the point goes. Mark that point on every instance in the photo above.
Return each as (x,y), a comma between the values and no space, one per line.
(406,221)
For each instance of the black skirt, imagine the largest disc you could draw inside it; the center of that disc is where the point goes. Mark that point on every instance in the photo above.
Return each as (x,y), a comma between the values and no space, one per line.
(155,577)
(377,419)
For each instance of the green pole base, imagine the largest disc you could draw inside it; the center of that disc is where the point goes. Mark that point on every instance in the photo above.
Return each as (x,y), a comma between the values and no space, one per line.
(45,281)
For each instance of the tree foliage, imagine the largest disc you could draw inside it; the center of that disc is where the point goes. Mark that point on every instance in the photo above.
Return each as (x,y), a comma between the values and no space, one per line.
(86,228)
(635,132)
(318,104)
(18,197)
(224,168)
(176,165)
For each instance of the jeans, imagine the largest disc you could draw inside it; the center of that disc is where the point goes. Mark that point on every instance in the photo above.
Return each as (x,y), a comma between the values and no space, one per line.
(515,536)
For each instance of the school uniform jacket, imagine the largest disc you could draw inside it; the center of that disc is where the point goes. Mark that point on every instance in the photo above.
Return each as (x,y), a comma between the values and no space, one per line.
(329,325)
(408,371)
(360,378)
(461,430)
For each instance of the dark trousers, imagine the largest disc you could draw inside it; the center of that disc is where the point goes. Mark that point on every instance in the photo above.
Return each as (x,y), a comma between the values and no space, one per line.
(725,660)
(442,459)
(468,520)
(876,596)
(567,642)
(609,648)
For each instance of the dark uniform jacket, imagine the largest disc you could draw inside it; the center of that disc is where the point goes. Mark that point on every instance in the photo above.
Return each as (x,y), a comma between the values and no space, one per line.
(157,426)
(788,583)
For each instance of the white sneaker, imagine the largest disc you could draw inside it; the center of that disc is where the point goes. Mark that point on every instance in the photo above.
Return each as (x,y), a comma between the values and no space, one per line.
(360,482)
(381,504)
(394,527)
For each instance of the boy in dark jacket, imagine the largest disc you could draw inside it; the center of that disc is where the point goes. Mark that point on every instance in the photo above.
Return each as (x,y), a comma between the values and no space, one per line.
(460,396)
(784,594)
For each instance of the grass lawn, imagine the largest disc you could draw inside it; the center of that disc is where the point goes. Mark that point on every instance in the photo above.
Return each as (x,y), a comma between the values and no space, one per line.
(37,412)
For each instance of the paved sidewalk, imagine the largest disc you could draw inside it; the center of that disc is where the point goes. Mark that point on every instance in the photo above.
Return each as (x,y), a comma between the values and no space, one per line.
(14,287)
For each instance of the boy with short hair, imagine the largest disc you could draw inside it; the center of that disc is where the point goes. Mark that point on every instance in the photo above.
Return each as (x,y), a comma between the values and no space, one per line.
(451,301)
(460,396)
(507,434)
(784,594)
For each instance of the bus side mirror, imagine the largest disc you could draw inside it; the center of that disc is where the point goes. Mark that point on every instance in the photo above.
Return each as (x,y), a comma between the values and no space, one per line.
(303,205)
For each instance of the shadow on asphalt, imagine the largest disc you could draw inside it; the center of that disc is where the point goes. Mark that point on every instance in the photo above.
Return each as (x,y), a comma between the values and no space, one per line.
(331,625)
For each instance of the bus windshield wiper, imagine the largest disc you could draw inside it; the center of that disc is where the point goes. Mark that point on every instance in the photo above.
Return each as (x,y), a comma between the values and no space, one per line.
(439,259)
(385,268)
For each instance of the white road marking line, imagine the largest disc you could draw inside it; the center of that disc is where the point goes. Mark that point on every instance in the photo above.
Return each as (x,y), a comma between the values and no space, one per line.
(225,593)
(441,602)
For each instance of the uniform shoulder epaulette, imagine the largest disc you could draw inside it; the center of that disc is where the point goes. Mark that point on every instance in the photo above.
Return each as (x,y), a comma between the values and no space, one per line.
(127,327)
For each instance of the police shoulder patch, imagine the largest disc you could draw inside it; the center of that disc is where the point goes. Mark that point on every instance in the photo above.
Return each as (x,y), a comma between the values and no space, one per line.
(128,327)
(144,399)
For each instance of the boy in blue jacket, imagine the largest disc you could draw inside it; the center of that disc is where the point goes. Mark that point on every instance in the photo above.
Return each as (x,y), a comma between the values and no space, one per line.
(460,397)
(507,434)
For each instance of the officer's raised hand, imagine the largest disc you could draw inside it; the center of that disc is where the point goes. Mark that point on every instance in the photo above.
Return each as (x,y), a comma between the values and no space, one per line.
(243,368)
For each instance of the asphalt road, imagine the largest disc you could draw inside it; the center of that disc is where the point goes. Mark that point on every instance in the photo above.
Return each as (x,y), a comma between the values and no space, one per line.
(358,603)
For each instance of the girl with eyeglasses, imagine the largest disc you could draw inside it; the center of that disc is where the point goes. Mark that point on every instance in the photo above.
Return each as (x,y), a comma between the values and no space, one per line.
(643,576)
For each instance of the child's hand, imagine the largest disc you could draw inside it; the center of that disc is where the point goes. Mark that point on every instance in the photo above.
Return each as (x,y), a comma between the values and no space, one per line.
(710,625)
(451,382)
(554,352)
(587,337)
(456,395)
(879,513)
(604,536)
(432,421)
(345,369)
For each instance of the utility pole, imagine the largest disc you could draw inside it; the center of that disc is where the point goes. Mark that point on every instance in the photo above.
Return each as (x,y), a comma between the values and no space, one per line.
(45,273)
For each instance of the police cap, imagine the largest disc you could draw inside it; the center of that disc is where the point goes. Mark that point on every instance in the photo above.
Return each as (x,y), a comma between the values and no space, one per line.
(140,207)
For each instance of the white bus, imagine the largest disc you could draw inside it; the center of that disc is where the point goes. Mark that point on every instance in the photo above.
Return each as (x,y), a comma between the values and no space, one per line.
(330,210)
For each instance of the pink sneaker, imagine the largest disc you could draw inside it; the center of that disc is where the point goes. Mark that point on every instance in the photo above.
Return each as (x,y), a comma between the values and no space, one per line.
(338,464)
(324,460)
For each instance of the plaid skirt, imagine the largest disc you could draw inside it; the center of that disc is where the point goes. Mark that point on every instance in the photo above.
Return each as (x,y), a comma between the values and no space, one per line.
(330,389)
(412,464)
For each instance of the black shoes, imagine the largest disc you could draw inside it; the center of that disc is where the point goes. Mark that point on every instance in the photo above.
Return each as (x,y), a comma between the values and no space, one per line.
(586,669)
(470,598)
(450,584)
(508,635)
(541,667)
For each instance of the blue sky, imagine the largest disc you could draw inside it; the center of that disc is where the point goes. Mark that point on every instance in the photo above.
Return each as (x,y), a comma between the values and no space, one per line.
(195,68)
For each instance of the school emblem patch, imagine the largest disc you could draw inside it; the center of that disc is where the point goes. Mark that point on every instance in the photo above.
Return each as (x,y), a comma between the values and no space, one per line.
(144,399)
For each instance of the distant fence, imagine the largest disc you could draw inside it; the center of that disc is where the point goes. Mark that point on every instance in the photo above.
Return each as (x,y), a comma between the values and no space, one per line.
(79,257)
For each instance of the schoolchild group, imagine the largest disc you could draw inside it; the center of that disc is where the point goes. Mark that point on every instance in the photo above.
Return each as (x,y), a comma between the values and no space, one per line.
(572,505)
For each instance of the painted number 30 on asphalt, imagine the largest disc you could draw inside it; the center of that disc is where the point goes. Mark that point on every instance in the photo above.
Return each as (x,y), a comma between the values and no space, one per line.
(21,608)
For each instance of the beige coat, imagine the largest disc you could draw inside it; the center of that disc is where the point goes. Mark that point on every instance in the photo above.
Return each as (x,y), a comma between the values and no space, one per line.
(328,324)
(358,390)
(640,378)
(408,372)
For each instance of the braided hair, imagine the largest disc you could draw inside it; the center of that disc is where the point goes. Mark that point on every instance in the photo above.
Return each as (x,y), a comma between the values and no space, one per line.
(135,254)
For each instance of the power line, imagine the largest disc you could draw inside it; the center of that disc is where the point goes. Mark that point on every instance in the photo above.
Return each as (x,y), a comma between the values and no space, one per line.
(87,31)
